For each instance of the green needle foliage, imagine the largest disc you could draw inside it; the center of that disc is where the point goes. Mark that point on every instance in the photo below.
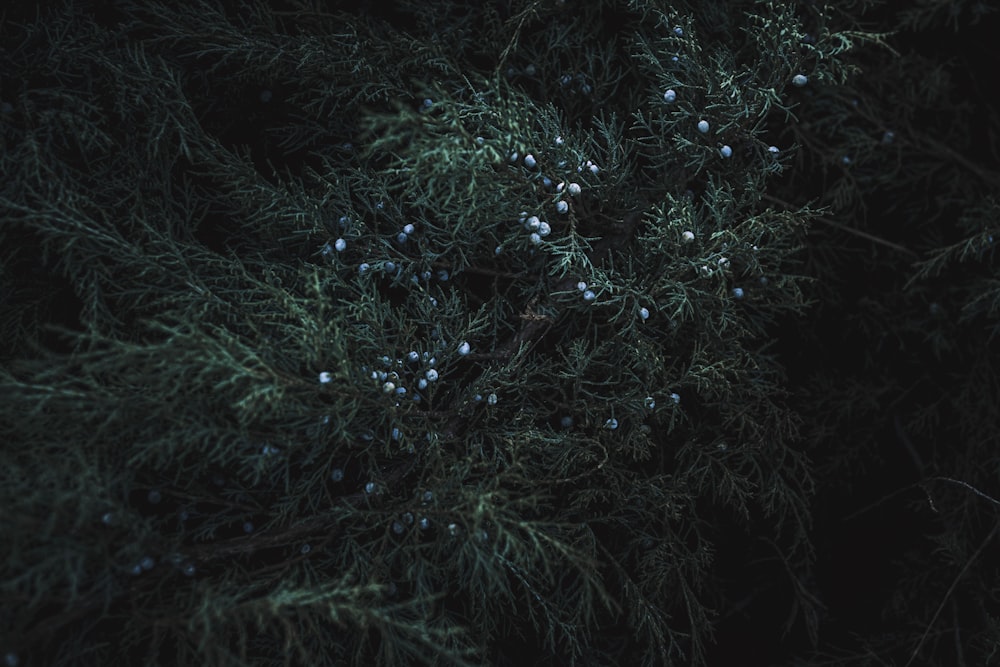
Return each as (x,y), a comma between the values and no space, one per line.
(448,335)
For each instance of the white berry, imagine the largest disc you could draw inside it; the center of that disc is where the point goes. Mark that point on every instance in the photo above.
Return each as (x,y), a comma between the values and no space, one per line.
(800,80)
(340,245)
(562,206)
(703,126)
(325,377)
(574,189)
(688,236)
(529,161)
(464,348)
(669,96)
(726,151)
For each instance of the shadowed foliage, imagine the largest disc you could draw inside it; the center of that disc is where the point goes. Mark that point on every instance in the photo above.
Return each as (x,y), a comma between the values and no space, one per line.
(505,333)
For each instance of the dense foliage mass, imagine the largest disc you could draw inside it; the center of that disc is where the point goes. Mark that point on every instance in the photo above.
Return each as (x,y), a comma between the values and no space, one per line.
(519,332)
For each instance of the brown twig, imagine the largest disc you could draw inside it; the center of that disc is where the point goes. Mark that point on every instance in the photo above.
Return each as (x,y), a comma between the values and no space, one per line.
(849,230)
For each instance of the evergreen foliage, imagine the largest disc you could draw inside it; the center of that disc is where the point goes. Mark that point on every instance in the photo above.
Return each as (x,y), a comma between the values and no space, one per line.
(448,334)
